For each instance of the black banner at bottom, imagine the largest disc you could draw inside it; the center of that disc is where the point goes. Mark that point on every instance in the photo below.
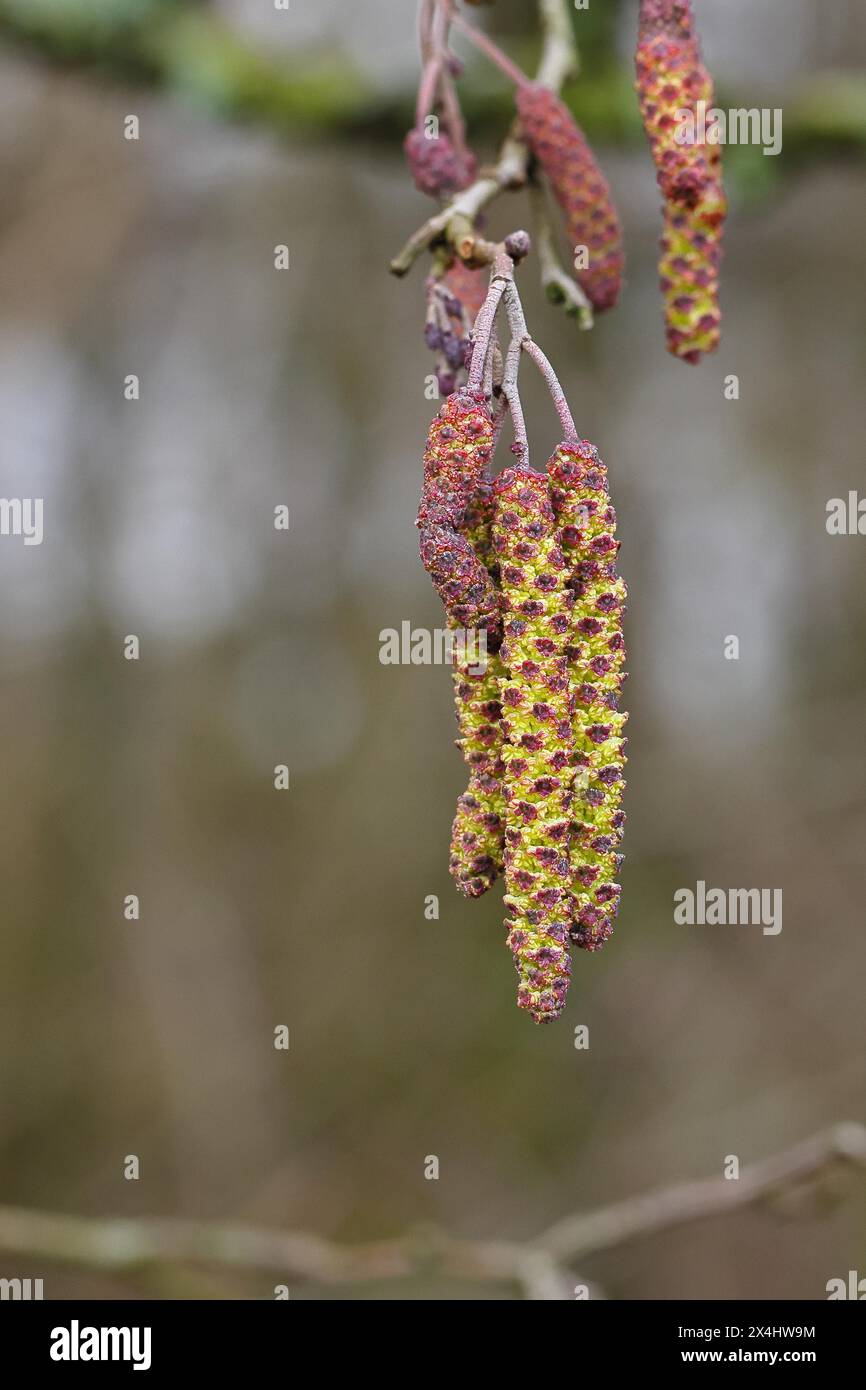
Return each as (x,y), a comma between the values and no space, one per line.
(153,1338)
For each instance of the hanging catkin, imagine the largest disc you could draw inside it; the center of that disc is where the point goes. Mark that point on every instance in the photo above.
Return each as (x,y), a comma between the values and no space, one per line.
(689,279)
(459,446)
(579,187)
(671,81)
(538,749)
(477,835)
(596,652)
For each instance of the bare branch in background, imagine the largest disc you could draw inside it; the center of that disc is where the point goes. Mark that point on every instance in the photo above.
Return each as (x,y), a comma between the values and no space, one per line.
(540,1269)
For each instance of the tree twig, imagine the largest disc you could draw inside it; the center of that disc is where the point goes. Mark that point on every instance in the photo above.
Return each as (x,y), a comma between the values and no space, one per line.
(559,61)
(578,1236)
(558,285)
(458,218)
(539,1269)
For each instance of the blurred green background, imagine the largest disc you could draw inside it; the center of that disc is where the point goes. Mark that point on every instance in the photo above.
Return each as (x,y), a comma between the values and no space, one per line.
(306,907)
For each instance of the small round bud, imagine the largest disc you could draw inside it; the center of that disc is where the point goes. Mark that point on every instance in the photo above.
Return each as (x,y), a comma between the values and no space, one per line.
(518,244)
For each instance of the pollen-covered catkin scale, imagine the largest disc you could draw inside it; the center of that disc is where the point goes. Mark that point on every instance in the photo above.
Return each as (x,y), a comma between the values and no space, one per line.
(579,187)
(587,526)
(459,446)
(477,835)
(537,752)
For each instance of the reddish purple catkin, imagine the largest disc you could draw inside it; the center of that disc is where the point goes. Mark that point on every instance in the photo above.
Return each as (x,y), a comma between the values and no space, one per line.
(459,446)
(454,299)
(538,751)
(436,167)
(587,526)
(579,187)
(477,835)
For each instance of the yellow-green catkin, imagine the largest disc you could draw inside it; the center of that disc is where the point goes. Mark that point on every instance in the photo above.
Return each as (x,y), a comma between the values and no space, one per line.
(537,751)
(673,88)
(596,653)
(477,835)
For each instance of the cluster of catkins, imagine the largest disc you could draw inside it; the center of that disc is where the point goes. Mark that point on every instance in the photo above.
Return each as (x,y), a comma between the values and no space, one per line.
(671,81)
(530,558)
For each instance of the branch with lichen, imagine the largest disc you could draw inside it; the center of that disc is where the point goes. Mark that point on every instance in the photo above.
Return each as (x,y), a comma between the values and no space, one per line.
(542,1268)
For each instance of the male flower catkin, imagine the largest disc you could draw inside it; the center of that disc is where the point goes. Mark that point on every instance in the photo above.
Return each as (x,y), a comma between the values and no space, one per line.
(587,525)
(579,187)
(479,824)
(459,446)
(689,279)
(537,753)
(671,80)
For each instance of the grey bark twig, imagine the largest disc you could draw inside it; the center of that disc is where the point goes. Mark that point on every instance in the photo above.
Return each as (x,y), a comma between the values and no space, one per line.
(539,1269)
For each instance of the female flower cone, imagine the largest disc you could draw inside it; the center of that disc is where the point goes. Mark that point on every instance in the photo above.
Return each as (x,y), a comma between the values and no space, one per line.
(477,836)
(579,187)
(459,446)
(538,749)
(587,522)
(436,167)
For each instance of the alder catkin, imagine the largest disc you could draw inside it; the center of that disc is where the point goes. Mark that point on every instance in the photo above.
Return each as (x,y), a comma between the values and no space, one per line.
(537,751)
(468,287)
(459,446)
(436,167)
(579,187)
(689,279)
(477,835)
(671,80)
(596,652)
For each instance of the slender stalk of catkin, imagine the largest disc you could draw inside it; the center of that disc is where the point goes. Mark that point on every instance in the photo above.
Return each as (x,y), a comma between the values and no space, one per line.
(459,446)
(580,189)
(477,836)
(596,653)
(537,751)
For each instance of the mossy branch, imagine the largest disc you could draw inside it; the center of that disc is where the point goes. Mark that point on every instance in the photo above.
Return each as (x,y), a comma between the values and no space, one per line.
(180,47)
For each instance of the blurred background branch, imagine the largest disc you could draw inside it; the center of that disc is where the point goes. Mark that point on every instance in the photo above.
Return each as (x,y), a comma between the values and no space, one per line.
(541,1269)
(184,46)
